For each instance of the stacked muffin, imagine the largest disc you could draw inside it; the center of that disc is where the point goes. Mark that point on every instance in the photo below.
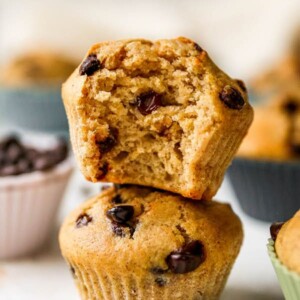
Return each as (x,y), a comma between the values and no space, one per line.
(159,115)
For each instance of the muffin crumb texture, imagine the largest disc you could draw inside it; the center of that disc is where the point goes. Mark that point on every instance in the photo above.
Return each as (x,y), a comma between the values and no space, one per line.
(157,114)
(139,243)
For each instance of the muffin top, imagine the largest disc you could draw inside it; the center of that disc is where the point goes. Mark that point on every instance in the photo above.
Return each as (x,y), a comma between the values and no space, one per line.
(37,68)
(150,231)
(275,131)
(287,244)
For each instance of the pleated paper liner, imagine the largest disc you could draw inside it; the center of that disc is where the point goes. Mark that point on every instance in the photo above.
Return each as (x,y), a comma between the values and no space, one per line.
(266,190)
(288,280)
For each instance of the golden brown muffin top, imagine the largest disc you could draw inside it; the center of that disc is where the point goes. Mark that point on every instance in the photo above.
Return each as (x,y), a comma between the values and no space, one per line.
(37,68)
(287,244)
(141,228)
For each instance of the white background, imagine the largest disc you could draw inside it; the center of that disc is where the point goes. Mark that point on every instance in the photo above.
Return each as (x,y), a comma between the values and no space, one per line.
(241,36)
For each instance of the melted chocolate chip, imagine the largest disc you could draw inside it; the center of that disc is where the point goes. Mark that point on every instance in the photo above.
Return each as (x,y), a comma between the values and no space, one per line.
(274,229)
(186,259)
(197,47)
(241,85)
(83,220)
(107,144)
(90,65)
(117,199)
(120,214)
(148,102)
(160,281)
(291,107)
(104,170)
(232,98)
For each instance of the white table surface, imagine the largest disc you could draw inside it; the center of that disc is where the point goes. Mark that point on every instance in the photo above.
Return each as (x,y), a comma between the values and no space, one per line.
(46,276)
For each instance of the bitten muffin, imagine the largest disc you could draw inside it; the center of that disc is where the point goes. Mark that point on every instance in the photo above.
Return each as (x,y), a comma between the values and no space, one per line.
(287,243)
(138,243)
(159,114)
(37,68)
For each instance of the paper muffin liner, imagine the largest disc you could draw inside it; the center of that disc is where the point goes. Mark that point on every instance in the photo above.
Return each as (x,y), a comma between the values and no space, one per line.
(17,105)
(28,206)
(266,190)
(95,283)
(289,281)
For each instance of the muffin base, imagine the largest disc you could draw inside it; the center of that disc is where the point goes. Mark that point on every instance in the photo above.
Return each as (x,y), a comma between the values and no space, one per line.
(289,281)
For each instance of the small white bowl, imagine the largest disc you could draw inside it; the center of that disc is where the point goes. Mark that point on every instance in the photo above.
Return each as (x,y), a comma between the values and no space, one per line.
(28,206)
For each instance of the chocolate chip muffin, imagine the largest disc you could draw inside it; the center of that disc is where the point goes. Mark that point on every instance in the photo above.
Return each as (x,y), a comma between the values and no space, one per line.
(37,68)
(139,243)
(284,249)
(287,242)
(159,114)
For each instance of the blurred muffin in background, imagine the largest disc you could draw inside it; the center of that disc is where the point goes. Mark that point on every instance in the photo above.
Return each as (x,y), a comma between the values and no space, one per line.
(283,249)
(265,174)
(282,76)
(275,131)
(37,68)
(30,96)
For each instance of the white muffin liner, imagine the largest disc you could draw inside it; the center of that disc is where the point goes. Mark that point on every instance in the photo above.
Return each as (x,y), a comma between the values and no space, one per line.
(28,206)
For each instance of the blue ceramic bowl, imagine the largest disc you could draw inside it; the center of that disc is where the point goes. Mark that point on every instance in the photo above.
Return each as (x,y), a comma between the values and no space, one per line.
(33,108)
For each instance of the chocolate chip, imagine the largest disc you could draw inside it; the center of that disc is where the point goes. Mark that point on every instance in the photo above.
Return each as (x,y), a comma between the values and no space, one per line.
(90,65)
(24,166)
(241,85)
(148,102)
(291,107)
(104,170)
(6,142)
(160,281)
(187,258)
(117,199)
(16,158)
(9,170)
(120,214)
(73,271)
(14,152)
(197,47)
(232,98)
(295,149)
(83,220)
(43,163)
(107,144)
(274,229)
(157,271)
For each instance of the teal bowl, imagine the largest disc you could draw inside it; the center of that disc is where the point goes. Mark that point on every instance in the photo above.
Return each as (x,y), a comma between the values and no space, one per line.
(33,108)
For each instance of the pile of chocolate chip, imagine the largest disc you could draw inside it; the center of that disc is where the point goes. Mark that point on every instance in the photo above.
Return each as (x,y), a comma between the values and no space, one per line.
(17,158)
